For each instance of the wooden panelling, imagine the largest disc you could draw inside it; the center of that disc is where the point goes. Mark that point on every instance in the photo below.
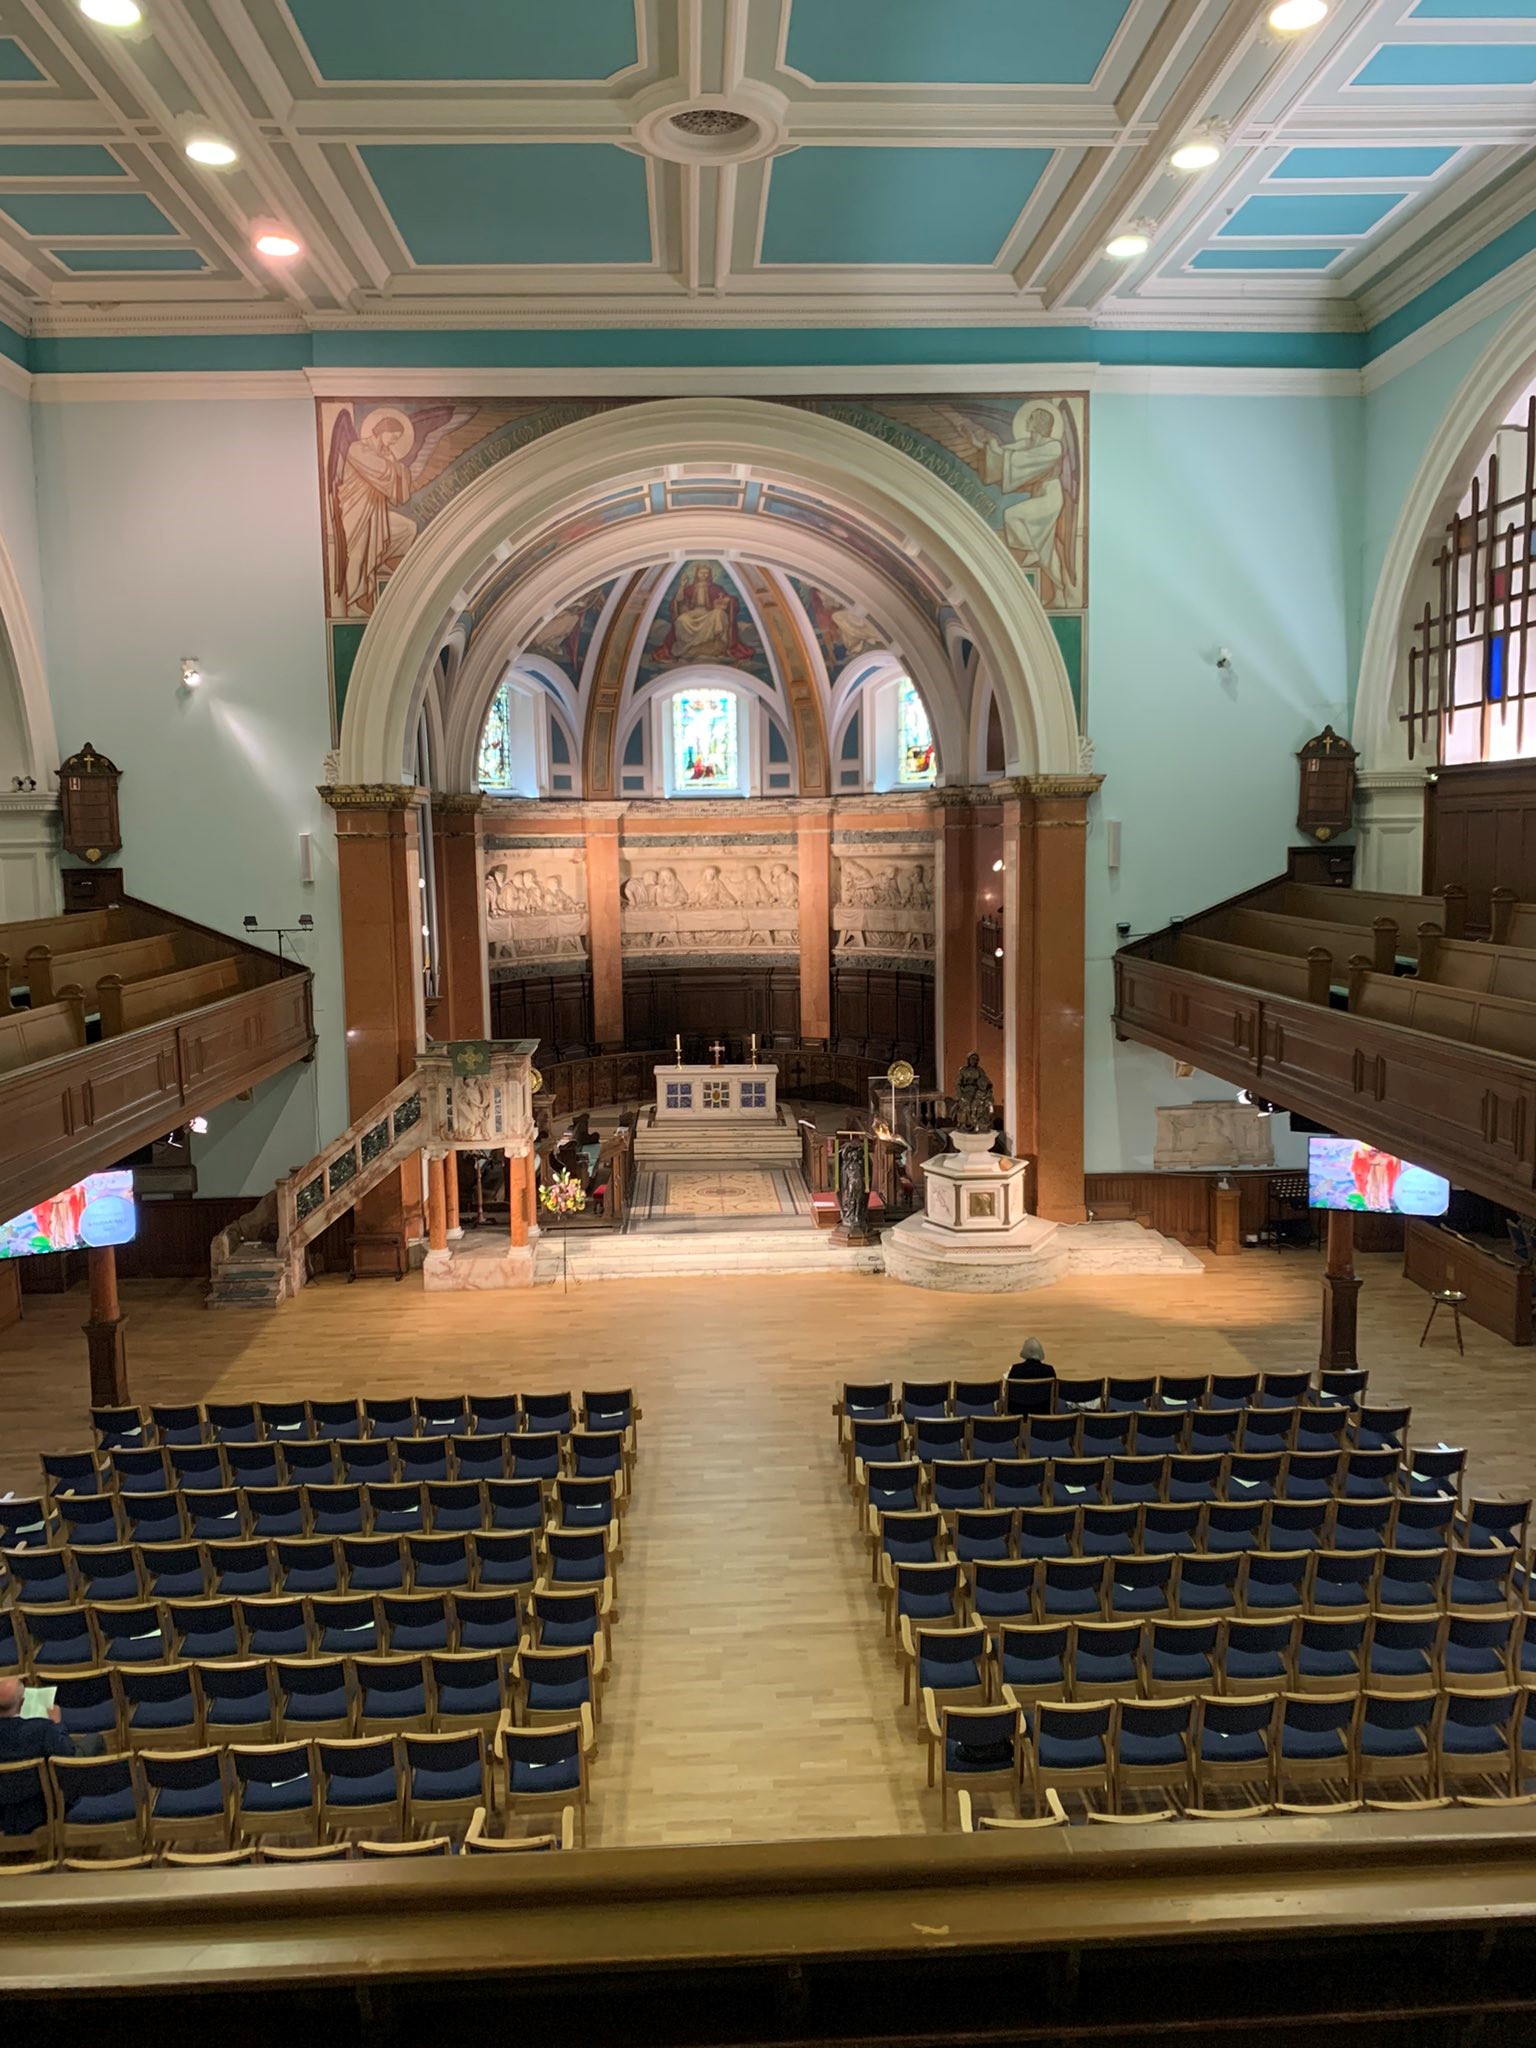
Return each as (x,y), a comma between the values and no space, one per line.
(555,1009)
(10,1293)
(1498,1291)
(704,1002)
(883,1013)
(174,1236)
(1480,831)
(1176,1205)
(1465,1113)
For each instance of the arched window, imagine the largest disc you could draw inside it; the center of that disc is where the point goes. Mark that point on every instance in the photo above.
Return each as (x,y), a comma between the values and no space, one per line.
(916,757)
(493,767)
(706,745)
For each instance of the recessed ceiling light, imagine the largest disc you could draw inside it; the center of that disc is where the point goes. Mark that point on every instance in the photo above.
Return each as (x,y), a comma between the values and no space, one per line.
(1292,16)
(211,149)
(1197,154)
(113,13)
(1126,247)
(275,243)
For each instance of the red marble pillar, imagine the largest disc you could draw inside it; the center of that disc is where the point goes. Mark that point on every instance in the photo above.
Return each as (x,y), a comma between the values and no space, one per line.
(1049,816)
(458,846)
(955,898)
(814,854)
(437,1204)
(518,1179)
(378,860)
(605,935)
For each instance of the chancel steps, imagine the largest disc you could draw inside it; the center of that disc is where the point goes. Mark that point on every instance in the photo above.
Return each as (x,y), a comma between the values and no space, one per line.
(661,1145)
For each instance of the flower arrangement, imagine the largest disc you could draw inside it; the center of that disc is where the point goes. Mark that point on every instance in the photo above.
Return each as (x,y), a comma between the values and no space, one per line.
(563,1196)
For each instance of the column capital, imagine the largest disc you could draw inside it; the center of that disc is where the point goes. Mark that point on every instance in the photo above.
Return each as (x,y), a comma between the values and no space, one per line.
(371,796)
(468,803)
(1080,786)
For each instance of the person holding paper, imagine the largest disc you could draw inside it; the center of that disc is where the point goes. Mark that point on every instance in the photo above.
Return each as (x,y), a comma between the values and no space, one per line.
(24,1736)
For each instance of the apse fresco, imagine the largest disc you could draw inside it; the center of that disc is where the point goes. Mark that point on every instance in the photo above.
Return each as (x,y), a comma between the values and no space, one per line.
(566,637)
(388,468)
(702,618)
(842,630)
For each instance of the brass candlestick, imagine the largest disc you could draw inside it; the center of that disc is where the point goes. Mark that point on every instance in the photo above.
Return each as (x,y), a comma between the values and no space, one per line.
(678,1044)
(754,1048)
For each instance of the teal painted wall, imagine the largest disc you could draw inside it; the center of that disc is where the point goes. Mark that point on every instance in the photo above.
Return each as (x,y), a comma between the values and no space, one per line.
(1214,523)
(193,529)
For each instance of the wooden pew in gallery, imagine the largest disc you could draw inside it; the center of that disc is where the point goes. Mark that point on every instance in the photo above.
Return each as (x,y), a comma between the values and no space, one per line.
(1472,964)
(69,934)
(128,1005)
(1447,912)
(27,1036)
(1307,977)
(1467,1016)
(1512,923)
(1274,931)
(48,969)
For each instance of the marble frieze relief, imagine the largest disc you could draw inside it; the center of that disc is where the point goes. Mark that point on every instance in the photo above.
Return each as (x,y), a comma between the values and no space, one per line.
(682,898)
(882,897)
(535,905)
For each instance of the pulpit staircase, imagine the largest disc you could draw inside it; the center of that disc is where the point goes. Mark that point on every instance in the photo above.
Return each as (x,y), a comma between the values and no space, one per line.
(259,1260)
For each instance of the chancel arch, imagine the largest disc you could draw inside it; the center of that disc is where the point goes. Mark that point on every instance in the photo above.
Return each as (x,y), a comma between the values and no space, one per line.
(858,490)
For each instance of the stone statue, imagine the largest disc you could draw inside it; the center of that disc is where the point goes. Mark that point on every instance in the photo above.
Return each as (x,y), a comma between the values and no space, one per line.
(973,1097)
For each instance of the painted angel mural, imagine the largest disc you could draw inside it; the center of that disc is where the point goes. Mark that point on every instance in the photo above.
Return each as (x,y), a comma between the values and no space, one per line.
(1036,463)
(378,458)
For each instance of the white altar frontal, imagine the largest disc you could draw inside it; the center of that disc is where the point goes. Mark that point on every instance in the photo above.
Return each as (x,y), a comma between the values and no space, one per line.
(714,1094)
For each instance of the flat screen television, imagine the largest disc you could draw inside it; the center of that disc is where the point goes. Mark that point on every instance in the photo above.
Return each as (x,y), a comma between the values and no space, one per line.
(95,1211)
(1342,1173)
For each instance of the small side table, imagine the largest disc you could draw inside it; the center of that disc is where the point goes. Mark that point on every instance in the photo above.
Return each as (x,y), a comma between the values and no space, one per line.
(1445,1297)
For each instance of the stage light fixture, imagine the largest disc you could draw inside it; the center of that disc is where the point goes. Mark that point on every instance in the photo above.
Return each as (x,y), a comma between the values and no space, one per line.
(112,13)
(1128,245)
(277,243)
(1196,153)
(211,150)
(1291,17)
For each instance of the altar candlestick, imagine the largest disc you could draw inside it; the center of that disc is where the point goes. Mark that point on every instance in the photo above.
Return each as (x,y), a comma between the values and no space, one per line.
(678,1043)
(754,1048)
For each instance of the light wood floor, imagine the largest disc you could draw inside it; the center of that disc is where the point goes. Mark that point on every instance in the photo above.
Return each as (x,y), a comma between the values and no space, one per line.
(753,1695)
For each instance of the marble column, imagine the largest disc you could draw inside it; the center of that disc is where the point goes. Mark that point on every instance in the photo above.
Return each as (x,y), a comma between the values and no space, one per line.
(437,1204)
(378,859)
(517,1198)
(955,933)
(1045,832)
(814,855)
(458,846)
(605,933)
(451,1169)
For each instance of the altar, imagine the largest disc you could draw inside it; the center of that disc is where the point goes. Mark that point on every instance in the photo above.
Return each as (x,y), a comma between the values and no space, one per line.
(713,1094)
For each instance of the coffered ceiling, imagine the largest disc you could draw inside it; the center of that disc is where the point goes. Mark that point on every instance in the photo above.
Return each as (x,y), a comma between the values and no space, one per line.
(844,162)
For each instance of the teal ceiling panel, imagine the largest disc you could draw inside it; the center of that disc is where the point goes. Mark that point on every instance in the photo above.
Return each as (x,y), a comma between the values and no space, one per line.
(1265,259)
(962,42)
(1312,213)
(58,160)
(1337,164)
(16,67)
(490,202)
(129,259)
(894,206)
(85,213)
(1474,10)
(1427,65)
(469,39)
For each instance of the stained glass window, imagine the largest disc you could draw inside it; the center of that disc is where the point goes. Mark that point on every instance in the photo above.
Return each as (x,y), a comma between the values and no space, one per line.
(704,751)
(914,735)
(494,766)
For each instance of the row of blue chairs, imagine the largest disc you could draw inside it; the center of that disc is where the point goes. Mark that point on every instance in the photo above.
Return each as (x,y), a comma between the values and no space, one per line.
(1192,1747)
(51,1640)
(1131,1659)
(1245,1582)
(224,1514)
(117,1573)
(1241,1480)
(357,1461)
(232,1422)
(1178,1528)
(1055,1392)
(320,1789)
(477,1840)
(1213,1432)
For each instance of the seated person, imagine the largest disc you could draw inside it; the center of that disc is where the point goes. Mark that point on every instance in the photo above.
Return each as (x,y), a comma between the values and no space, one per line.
(20,1741)
(1030,1363)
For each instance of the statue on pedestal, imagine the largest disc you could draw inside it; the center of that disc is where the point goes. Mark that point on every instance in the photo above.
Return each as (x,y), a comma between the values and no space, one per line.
(974,1109)
(852,1188)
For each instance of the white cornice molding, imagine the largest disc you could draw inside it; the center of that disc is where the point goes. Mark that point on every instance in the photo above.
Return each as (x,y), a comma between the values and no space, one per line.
(1510,287)
(98,387)
(14,380)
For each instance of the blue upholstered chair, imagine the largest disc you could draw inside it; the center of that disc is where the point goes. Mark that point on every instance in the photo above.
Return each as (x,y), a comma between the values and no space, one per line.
(360,1787)
(58,1638)
(336,1510)
(1314,1741)
(1106,1660)
(1182,1657)
(115,1427)
(1411,1581)
(276,1511)
(393,1694)
(241,1570)
(476,1458)
(1477,1737)
(1048,1532)
(1366,1522)
(98,1805)
(423,1458)
(414,1623)
(1478,1651)
(504,1559)
(162,1707)
(985,1533)
(186,1798)
(1136,1480)
(196,1466)
(40,1577)
(89,1704)
(1140,1588)
(924,1594)
(949,1662)
(454,1506)
(1234,1742)
(1070,1588)
(974,1745)
(1402,1654)
(373,1564)
(344,1624)
(255,1463)
(1003,1590)
(215,1514)
(467,1690)
(203,1631)
(554,1684)
(152,1517)
(1034,1660)
(1274,1581)
(442,1415)
(141,1470)
(276,1627)
(1207,1584)
(546,1767)
(513,1506)
(334,1419)
(1395,1740)
(239,1702)
(1069,1748)
(489,1619)
(1153,1747)
(447,1779)
(365,1461)
(274,1791)
(548,1412)
(174,1571)
(396,1508)
(1020,1482)
(1259,1655)
(311,1461)
(314,1697)
(494,1414)
(390,1416)
(72,1472)
(439,1563)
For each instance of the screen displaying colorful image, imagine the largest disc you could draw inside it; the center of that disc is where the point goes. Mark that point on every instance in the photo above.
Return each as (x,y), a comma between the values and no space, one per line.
(97,1210)
(1344,1174)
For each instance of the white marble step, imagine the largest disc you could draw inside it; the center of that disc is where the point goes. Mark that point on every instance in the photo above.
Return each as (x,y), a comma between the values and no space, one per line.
(706,1252)
(772,1147)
